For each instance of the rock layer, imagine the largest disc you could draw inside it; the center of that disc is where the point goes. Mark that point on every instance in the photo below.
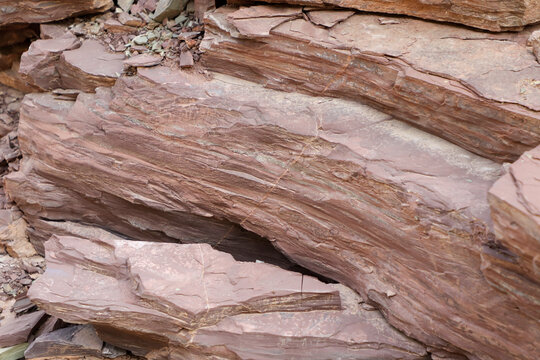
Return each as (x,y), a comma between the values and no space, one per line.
(171,301)
(346,191)
(42,11)
(474,89)
(515,209)
(498,15)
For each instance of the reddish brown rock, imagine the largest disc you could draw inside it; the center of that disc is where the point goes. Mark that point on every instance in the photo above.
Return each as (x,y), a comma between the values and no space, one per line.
(512,263)
(187,301)
(498,15)
(39,64)
(18,330)
(89,66)
(42,11)
(344,190)
(143,60)
(474,89)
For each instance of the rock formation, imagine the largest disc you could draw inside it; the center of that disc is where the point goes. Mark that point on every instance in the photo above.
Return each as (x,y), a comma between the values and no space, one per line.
(397,214)
(42,11)
(474,89)
(172,301)
(498,15)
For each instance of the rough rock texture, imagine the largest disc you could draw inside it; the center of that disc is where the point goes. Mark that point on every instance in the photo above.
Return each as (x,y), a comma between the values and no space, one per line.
(18,330)
(344,190)
(497,15)
(515,209)
(172,301)
(78,340)
(477,90)
(39,65)
(42,11)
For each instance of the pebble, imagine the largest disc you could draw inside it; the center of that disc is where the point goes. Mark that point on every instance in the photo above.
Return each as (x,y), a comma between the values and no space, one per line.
(140,40)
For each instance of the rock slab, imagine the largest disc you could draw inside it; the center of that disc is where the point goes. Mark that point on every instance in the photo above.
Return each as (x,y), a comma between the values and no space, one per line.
(172,301)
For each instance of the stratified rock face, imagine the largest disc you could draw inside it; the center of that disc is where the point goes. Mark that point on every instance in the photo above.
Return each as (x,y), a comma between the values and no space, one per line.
(474,89)
(344,190)
(42,11)
(172,301)
(497,15)
(515,209)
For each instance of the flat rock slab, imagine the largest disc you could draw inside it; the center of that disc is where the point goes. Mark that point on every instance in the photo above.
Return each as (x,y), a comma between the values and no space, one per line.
(342,189)
(191,299)
(497,15)
(42,11)
(19,329)
(474,89)
(515,209)
(89,66)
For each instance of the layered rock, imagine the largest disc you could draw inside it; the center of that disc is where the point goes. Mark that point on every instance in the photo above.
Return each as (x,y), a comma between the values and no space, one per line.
(42,11)
(173,301)
(512,263)
(474,89)
(344,190)
(498,15)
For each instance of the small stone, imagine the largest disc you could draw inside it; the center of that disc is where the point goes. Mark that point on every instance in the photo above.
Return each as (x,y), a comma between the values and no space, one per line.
(125,4)
(180,19)
(186,59)
(140,40)
(168,9)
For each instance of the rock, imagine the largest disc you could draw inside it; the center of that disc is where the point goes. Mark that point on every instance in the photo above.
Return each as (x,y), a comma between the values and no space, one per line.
(186,59)
(498,15)
(128,20)
(116,27)
(190,301)
(534,42)
(14,352)
(53,31)
(511,263)
(168,9)
(39,65)
(13,79)
(125,4)
(202,6)
(340,188)
(89,66)
(140,40)
(14,238)
(42,11)
(143,60)
(78,340)
(328,18)
(392,67)
(19,329)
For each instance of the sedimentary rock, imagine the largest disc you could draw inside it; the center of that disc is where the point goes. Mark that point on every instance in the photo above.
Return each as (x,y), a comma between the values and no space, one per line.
(498,15)
(18,330)
(78,340)
(346,191)
(474,89)
(42,11)
(515,209)
(172,301)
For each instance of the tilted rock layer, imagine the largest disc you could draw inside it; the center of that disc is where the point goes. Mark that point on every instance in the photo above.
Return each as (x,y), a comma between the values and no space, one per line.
(397,214)
(42,11)
(515,209)
(477,90)
(170,301)
(498,15)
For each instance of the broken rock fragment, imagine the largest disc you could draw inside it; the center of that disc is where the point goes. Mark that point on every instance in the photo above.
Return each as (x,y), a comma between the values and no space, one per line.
(19,329)
(176,301)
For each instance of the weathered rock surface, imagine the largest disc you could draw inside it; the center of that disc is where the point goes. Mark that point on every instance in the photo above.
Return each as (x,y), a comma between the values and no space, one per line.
(42,11)
(474,89)
(344,190)
(515,209)
(78,340)
(498,15)
(172,301)
(18,330)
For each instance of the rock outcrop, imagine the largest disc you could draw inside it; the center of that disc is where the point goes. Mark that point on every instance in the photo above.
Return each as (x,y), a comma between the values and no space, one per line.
(512,263)
(172,301)
(42,11)
(498,15)
(397,214)
(474,89)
